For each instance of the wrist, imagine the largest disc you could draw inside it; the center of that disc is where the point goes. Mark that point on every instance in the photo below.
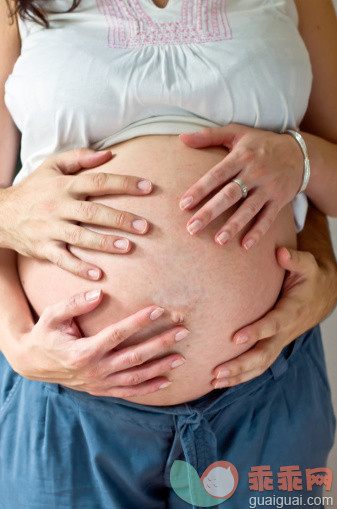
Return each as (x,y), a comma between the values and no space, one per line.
(13,342)
(303,164)
(4,243)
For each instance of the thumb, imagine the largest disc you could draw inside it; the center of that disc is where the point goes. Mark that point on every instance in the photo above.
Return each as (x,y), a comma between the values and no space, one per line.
(74,160)
(292,260)
(76,305)
(211,136)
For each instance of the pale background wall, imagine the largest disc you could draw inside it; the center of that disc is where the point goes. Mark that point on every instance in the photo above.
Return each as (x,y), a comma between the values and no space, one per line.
(329,330)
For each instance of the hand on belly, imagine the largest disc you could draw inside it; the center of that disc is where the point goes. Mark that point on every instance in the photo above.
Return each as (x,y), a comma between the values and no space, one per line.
(215,290)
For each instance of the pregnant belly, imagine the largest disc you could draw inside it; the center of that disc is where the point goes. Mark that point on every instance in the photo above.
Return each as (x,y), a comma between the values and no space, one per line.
(216,289)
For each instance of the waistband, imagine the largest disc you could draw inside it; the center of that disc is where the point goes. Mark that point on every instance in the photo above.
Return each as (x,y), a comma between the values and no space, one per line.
(194,437)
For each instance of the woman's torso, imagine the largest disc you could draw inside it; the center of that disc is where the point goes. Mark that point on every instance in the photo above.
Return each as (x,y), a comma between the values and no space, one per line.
(217,289)
(112,71)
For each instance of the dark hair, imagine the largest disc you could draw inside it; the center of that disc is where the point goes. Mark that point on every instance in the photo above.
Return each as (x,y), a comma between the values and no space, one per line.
(32,10)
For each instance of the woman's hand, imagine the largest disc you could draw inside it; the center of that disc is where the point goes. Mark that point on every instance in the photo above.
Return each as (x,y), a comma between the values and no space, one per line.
(308,296)
(269,164)
(39,215)
(53,351)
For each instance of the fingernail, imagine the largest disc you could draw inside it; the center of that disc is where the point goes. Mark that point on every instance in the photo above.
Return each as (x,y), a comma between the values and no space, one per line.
(165,384)
(223,373)
(178,362)
(194,227)
(241,338)
(93,295)
(156,313)
(144,185)
(122,244)
(181,334)
(140,225)
(222,238)
(223,383)
(94,274)
(186,202)
(250,243)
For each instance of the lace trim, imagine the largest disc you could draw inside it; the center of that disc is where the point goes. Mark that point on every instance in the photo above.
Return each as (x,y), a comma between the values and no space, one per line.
(129,26)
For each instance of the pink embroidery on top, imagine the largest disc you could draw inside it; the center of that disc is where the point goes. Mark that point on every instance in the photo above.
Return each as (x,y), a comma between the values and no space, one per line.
(129,26)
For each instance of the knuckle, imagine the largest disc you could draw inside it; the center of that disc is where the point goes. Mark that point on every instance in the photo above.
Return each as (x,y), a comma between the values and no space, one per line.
(230,192)
(207,214)
(61,182)
(71,303)
(121,219)
(217,173)
(133,358)
(268,221)
(207,131)
(259,172)
(233,227)
(48,206)
(99,180)
(87,210)
(103,243)
(73,235)
(79,152)
(58,260)
(76,360)
(134,379)
(237,370)
(276,325)
(126,183)
(118,336)
(252,208)
(166,340)
(311,259)
(47,314)
(247,155)
(263,359)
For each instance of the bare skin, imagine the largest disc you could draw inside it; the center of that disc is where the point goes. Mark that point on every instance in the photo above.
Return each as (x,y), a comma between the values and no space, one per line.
(214,291)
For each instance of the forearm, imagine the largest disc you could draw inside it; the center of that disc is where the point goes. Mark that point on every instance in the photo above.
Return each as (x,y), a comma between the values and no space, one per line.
(9,147)
(16,317)
(322,187)
(315,238)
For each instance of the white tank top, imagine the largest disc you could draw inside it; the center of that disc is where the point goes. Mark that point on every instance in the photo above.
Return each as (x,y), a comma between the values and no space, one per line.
(115,69)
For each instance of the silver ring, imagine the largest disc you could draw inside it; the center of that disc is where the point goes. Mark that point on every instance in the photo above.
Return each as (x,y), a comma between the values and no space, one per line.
(243,187)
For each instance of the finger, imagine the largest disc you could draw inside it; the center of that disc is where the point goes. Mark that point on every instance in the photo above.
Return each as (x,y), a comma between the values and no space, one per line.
(85,238)
(138,354)
(265,220)
(257,359)
(135,376)
(99,184)
(245,213)
(136,390)
(301,262)
(224,135)
(216,176)
(74,160)
(60,256)
(115,334)
(223,200)
(76,305)
(220,383)
(102,215)
(280,317)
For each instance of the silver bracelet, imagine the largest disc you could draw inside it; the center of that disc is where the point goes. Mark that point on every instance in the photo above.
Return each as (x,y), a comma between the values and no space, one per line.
(306,174)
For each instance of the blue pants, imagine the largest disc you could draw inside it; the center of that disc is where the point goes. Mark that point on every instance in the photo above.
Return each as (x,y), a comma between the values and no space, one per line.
(65,449)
